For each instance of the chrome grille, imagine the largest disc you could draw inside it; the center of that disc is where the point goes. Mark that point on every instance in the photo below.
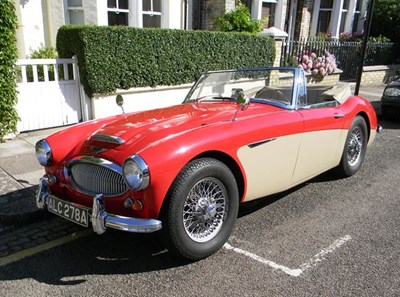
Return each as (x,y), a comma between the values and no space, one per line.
(97,179)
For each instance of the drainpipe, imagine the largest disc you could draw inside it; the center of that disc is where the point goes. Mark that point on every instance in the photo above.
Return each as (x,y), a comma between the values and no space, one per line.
(20,32)
(49,23)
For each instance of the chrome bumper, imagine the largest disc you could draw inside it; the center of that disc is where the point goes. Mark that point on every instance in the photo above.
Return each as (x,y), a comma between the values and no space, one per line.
(379,129)
(101,220)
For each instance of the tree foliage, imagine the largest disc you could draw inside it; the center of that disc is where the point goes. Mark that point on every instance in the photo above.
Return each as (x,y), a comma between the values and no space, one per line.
(8,57)
(386,19)
(238,20)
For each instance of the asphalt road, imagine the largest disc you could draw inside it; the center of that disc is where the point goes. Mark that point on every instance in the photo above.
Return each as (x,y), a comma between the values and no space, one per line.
(327,237)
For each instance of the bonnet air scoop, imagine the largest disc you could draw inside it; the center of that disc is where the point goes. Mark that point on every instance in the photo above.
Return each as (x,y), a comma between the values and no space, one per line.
(108,138)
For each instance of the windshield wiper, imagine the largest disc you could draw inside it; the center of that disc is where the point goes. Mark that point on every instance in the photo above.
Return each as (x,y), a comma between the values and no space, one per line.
(213,97)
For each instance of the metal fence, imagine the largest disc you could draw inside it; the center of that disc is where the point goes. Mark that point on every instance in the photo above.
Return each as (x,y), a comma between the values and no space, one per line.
(347,54)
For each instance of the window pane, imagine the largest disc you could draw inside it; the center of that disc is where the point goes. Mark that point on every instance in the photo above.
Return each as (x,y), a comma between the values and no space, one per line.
(323,21)
(326,3)
(345,4)
(358,5)
(117,19)
(153,21)
(157,5)
(123,4)
(355,22)
(76,17)
(268,11)
(342,21)
(146,5)
(74,3)
(112,3)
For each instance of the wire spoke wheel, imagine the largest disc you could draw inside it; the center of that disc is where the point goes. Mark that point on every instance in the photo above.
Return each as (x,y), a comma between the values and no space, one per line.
(355,146)
(205,209)
(202,208)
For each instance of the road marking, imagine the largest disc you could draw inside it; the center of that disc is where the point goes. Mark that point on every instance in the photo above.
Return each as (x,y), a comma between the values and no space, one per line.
(292,272)
(321,255)
(45,246)
(314,261)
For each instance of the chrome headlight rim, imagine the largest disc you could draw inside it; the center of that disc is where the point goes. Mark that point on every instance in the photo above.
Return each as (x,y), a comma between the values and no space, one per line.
(136,173)
(392,92)
(44,154)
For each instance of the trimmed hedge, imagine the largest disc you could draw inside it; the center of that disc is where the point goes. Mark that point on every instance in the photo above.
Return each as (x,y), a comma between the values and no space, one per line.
(125,57)
(8,57)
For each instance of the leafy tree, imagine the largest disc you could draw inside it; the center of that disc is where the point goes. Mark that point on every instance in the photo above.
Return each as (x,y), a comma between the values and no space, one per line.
(8,57)
(386,19)
(238,20)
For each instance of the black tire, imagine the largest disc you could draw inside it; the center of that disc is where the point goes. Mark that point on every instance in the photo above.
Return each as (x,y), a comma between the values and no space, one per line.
(187,228)
(354,148)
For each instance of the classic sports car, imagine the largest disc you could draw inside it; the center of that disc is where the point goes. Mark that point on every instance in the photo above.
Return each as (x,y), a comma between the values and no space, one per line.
(239,135)
(391,99)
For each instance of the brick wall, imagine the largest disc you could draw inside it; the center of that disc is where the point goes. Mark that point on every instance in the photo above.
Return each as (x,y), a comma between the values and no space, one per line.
(214,9)
(376,75)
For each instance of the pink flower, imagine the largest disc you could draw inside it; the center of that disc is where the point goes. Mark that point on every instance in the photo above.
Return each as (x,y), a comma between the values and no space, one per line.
(322,71)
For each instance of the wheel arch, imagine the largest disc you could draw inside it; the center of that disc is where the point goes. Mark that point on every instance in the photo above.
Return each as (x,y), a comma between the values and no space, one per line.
(224,158)
(367,121)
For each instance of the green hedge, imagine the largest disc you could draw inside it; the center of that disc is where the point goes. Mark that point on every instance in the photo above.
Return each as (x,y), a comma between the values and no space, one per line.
(125,57)
(8,57)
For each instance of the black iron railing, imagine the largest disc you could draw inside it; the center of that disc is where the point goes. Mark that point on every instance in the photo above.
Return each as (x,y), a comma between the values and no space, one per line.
(347,54)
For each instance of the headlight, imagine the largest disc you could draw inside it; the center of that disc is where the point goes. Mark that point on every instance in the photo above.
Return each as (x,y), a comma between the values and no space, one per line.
(136,173)
(392,92)
(43,152)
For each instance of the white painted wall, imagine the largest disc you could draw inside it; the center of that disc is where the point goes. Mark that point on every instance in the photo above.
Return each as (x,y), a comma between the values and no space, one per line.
(139,99)
(32,24)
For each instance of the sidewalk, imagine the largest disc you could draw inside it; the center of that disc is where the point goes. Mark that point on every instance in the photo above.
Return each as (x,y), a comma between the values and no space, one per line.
(19,176)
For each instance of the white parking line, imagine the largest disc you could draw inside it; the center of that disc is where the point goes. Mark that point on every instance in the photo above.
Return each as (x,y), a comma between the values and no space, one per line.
(303,267)
(321,255)
(292,272)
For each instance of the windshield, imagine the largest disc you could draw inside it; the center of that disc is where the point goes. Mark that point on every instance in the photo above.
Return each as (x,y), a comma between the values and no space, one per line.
(271,86)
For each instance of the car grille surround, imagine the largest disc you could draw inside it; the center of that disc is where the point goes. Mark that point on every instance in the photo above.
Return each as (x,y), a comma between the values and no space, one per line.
(93,176)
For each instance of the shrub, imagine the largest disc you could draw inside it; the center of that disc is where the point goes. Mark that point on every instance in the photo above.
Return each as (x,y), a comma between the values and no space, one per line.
(8,57)
(238,20)
(43,53)
(126,57)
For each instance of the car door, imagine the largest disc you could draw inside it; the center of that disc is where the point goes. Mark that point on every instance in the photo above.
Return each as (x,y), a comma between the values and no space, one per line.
(270,155)
(322,140)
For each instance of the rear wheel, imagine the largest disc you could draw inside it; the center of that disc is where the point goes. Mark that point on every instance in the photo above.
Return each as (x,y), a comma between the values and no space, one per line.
(202,209)
(355,148)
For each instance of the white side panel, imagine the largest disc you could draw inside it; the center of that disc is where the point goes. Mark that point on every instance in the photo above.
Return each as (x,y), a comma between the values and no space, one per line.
(269,167)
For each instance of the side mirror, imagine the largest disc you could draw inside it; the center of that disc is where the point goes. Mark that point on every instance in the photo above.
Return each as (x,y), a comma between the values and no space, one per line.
(242,102)
(120,102)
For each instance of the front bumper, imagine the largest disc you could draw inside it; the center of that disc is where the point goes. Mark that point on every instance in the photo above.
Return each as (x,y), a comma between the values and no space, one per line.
(101,220)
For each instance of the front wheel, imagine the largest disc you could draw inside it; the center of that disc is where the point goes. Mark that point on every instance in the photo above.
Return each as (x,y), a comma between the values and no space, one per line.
(355,148)
(202,209)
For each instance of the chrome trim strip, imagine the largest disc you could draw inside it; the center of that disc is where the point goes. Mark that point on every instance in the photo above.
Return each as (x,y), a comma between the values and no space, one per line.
(255,144)
(108,138)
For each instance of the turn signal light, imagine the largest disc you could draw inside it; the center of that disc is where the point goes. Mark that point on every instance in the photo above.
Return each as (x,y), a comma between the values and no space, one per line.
(136,205)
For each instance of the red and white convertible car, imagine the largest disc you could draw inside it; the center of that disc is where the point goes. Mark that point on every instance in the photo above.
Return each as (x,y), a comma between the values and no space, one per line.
(239,135)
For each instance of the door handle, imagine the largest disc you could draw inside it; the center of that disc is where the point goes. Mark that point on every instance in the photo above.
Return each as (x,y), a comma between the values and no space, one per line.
(338,115)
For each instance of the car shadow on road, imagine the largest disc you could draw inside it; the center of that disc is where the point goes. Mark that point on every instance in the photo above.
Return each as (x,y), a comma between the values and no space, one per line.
(113,253)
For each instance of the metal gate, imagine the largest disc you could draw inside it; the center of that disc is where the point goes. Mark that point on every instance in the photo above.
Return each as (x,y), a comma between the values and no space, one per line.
(49,93)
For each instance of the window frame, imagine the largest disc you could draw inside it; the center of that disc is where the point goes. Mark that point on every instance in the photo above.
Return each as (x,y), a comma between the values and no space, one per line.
(69,8)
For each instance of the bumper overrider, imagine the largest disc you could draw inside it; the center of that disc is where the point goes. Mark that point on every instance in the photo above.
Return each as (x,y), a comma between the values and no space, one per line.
(100,219)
